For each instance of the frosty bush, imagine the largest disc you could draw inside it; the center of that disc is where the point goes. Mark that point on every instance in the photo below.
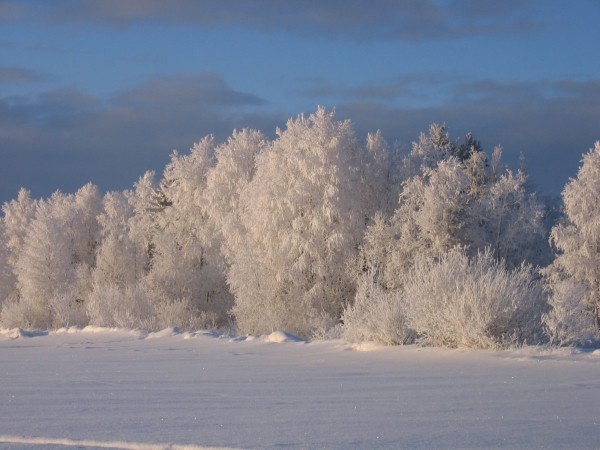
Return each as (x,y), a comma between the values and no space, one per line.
(24,314)
(109,306)
(376,315)
(567,323)
(182,314)
(455,301)
(67,311)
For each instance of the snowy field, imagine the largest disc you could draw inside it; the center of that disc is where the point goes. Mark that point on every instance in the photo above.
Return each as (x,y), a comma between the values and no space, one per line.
(124,389)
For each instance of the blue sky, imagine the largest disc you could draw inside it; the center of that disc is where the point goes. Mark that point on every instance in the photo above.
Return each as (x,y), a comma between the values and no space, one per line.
(103,90)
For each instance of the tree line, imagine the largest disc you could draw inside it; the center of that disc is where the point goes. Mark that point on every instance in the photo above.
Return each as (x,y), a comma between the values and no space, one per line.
(318,234)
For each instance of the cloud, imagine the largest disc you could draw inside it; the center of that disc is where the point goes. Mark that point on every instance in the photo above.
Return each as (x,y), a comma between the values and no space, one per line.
(18,75)
(314,87)
(10,10)
(410,89)
(415,86)
(181,90)
(551,123)
(346,19)
(65,138)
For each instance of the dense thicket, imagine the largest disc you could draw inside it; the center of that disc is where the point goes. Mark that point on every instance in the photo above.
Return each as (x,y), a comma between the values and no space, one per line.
(312,232)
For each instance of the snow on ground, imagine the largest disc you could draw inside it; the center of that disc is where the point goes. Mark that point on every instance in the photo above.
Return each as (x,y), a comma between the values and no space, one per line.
(126,389)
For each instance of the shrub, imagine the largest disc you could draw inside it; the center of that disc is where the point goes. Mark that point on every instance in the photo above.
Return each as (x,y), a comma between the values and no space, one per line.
(182,314)
(24,313)
(109,306)
(568,322)
(376,315)
(455,301)
(67,311)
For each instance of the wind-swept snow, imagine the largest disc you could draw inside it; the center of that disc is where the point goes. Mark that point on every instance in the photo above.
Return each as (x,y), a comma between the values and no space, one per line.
(14,440)
(125,389)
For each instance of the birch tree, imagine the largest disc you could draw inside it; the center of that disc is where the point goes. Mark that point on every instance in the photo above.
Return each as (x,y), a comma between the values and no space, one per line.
(574,276)
(304,217)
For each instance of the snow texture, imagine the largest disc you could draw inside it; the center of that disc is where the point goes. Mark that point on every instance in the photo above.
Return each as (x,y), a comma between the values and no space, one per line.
(110,388)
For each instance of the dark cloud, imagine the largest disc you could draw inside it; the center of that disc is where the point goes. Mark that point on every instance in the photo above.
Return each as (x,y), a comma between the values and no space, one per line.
(65,138)
(505,13)
(10,10)
(498,92)
(314,88)
(179,91)
(419,86)
(409,86)
(551,123)
(354,19)
(17,75)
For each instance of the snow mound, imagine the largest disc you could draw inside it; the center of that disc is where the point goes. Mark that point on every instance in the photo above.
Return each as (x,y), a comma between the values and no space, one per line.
(64,442)
(112,330)
(7,334)
(367,346)
(241,338)
(279,337)
(171,331)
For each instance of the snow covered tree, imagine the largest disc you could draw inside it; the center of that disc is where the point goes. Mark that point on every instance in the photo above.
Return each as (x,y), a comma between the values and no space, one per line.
(8,280)
(382,174)
(146,201)
(235,168)
(574,276)
(465,150)
(453,201)
(456,203)
(84,233)
(45,268)
(186,267)
(304,217)
(17,215)
(428,151)
(54,263)
(429,220)
(121,261)
(276,225)
(506,216)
